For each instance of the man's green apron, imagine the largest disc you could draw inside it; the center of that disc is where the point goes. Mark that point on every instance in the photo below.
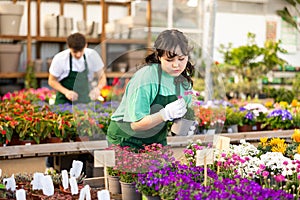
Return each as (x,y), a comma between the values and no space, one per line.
(76,81)
(122,134)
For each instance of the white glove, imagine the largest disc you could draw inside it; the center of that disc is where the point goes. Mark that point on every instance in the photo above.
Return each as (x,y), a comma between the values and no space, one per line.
(174,110)
(94,93)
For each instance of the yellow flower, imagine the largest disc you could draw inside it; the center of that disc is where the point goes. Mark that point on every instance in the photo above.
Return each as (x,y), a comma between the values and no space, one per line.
(296,135)
(269,104)
(275,141)
(283,104)
(298,149)
(280,147)
(264,141)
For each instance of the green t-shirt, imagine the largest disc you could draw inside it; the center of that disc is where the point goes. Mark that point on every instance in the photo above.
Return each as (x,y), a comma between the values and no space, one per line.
(141,91)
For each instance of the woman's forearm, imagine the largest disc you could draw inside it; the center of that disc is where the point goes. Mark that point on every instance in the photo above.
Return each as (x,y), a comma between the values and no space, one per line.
(147,122)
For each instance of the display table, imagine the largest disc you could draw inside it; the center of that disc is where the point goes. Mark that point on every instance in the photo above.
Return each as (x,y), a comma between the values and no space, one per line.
(31,158)
(65,148)
(36,150)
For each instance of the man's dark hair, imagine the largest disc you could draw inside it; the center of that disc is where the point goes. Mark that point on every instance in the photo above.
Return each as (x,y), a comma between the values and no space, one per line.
(76,41)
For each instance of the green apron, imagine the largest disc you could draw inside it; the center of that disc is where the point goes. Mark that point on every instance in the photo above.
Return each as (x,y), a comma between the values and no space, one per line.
(120,132)
(76,81)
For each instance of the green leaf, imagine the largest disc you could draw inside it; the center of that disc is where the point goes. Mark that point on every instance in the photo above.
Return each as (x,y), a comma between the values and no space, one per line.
(2,187)
(286,16)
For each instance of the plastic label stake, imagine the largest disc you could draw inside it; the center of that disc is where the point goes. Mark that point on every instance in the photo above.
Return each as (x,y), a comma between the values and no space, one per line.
(204,157)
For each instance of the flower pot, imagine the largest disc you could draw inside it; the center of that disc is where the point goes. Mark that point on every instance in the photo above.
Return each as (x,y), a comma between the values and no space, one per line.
(209,131)
(245,128)
(232,129)
(114,185)
(54,140)
(82,138)
(27,142)
(181,126)
(129,191)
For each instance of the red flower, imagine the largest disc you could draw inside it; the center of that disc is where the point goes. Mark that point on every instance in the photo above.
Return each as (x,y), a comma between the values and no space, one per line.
(3,132)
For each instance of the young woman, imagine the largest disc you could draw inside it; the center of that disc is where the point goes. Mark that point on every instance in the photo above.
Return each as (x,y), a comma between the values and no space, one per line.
(155,94)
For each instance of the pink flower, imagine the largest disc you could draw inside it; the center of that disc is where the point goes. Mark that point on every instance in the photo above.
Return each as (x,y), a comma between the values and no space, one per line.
(265,174)
(279,178)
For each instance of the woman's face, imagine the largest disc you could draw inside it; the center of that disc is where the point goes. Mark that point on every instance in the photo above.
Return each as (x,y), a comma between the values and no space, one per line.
(174,66)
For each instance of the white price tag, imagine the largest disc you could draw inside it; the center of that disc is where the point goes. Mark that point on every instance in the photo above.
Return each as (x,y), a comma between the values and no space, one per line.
(65,179)
(204,157)
(221,143)
(48,187)
(21,194)
(103,195)
(74,186)
(10,183)
(37,181)
(76,169)
(85,193)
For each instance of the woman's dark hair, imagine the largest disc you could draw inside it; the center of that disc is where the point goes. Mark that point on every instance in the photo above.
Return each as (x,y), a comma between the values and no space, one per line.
(166,43)
(76,41)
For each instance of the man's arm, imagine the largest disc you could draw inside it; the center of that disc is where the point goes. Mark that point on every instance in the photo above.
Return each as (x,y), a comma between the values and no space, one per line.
(102,81)
(55,84)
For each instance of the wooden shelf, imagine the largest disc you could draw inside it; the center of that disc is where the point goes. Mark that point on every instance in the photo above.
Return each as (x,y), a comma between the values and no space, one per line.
(62,39)
(126,41)
(22,75)
(50,148)
(20,151)
(12,75)
(119,74)
(14,37)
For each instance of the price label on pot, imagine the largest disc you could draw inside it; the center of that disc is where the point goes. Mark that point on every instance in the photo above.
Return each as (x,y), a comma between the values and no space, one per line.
(221,143)
(104,158)
(21,194)
(103,195)
(204,157)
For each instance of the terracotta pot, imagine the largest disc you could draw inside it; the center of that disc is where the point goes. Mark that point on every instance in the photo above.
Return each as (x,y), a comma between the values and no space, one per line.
(27,142)
(15,140)
(245,128)
(54,140)
(82,138)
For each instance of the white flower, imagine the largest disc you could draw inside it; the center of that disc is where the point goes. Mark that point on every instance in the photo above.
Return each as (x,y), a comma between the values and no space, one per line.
(297,156)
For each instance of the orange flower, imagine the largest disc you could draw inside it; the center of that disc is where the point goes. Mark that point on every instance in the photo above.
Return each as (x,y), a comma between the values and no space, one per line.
(296,135)
(294,103)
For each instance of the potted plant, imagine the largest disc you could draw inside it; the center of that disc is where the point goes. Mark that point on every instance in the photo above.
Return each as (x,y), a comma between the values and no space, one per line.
(250,63)
(233,119)
(279,119)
